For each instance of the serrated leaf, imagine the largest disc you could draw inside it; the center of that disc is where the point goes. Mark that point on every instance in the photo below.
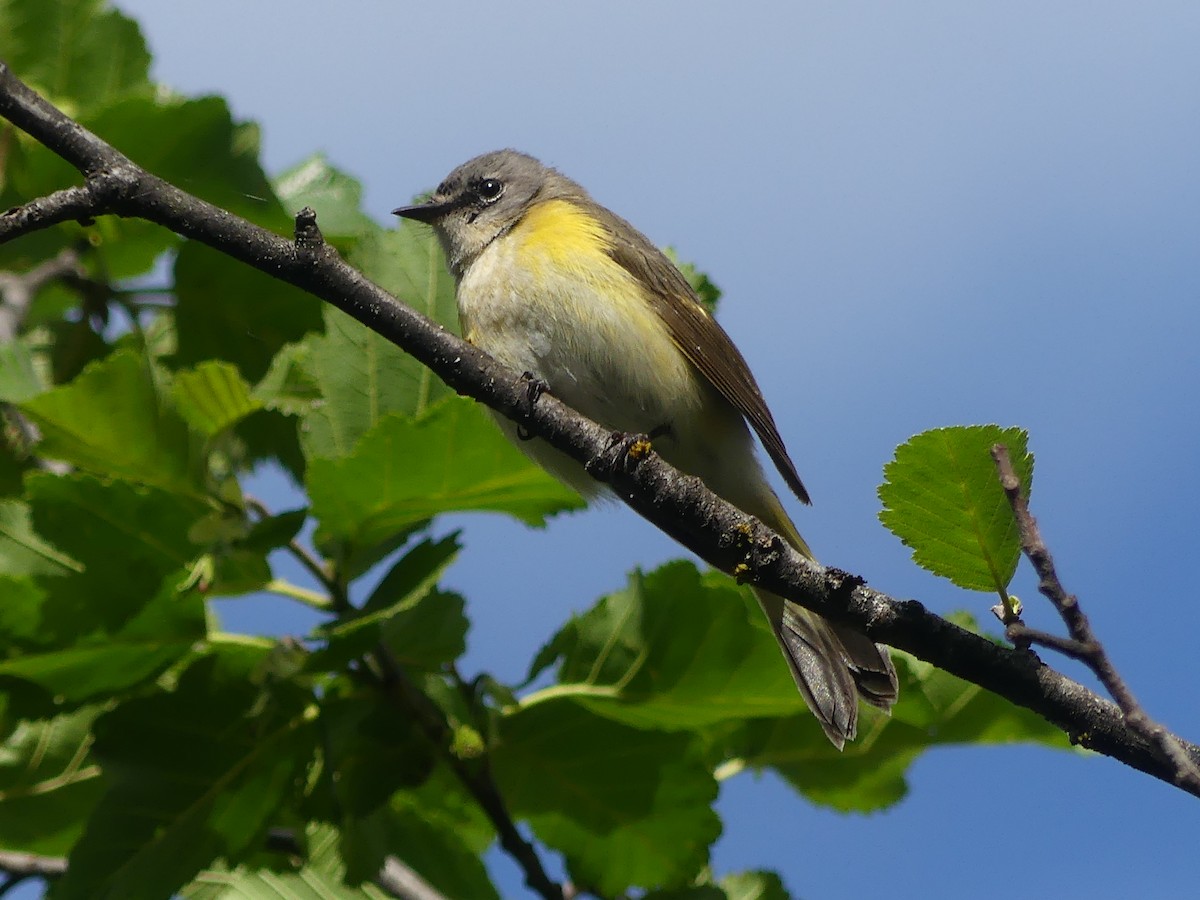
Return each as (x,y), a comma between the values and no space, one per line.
(627,807)
(673,650)
(48,783)
(114,420)
(213,396)
(321,877)
(362,376)
(942,497)
(263,884)
(194,775)
(289,386)
(408,262)
(405,471)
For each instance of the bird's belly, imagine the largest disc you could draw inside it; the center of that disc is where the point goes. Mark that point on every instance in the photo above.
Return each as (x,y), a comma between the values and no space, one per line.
(588,332)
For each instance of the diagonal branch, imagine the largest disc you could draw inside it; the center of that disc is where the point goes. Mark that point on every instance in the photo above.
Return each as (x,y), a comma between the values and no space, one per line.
(1083,644)
(681,506)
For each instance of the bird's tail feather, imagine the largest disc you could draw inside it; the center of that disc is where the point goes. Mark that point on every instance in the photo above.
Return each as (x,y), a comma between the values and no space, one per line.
(831,665)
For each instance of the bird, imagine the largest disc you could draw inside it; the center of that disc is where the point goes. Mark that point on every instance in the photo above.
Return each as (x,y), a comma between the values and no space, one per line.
(551,283)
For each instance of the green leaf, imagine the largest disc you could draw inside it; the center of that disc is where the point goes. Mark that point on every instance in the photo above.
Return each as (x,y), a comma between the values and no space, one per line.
(127,538)
(335,196)
(754,885)
(226,310)
(104,663)
(436,849)
(675,649)
(405,471)
(19,377)
(213,396)
(321,877)
(195,144)
(941,496)
(192,143)
(408,262)
(275,531)
(706,292)
(422,626)
(934,709)
(13,466)
(114,420)
(361,378)
(289,386)
(23,551)
(304,884)
(194,775)
(48,783)
(79,53)
(370,751)
(273,438)
(19,611)
(361,375)
(429,846)
(627,807)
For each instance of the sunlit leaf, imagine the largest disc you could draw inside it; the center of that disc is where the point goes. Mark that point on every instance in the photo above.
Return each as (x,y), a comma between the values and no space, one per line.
(942,497)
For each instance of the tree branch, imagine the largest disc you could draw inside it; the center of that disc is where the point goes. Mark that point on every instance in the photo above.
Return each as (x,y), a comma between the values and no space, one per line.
(477,778)
(1084,645)
(29,865)
(679,505)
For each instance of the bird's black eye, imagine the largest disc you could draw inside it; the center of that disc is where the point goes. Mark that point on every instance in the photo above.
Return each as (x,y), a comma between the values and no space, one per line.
(489,190)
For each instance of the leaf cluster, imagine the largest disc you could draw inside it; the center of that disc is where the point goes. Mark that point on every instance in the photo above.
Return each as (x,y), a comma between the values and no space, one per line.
(158,751)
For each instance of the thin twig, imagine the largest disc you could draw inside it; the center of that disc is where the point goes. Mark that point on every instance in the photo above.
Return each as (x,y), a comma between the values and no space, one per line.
(1022,635)
(1084,645)
(476,777)
(301,553)
(17,291)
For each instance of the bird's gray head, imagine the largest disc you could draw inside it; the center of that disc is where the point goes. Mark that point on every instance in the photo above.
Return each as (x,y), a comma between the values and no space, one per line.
(485,197)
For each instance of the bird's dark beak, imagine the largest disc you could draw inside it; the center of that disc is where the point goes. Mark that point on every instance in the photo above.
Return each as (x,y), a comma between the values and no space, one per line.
(428,212)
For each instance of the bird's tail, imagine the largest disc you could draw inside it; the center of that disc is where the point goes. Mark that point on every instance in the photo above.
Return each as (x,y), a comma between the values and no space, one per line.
(832,665)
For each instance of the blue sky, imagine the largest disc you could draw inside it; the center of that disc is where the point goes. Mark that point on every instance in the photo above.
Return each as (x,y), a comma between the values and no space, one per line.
(921,215)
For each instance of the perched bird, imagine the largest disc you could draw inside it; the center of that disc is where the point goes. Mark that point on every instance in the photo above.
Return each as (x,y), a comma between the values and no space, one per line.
(552,283)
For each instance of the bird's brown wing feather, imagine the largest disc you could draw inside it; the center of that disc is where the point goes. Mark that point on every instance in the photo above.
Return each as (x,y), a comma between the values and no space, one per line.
(702,340)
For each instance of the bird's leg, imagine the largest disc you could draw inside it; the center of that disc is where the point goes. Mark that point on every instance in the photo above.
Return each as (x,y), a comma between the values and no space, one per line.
(534,388)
